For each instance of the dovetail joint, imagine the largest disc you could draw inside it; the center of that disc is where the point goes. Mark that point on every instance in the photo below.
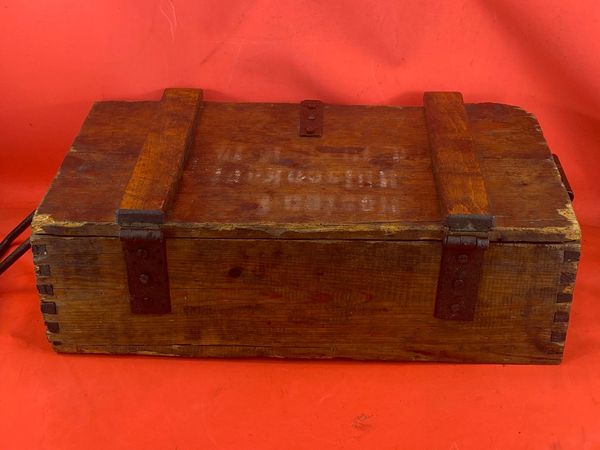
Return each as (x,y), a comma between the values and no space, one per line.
(39,250)
(45,289)
(43,270)
(561,316)
(52,327)
(564,297)
(48,307)
(558,336)
(567,278)
(571,256)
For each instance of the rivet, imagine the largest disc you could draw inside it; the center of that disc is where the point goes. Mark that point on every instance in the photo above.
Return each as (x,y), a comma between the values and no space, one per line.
(311,105)
(311,117)
(53,327)
(463,259)
(310,130)
(142,253)
(459,283)
(144,278)
(455,307)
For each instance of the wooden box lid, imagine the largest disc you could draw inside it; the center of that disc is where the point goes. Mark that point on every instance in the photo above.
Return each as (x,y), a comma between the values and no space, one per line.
(375,172)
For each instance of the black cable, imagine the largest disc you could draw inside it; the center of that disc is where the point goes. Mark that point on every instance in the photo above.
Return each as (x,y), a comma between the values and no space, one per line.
(16,254)
(8,240)
(10,237)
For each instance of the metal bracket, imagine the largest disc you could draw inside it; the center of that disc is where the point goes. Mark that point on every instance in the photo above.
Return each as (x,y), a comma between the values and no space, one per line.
(148,196)
(460,273)
(311,118)
(146,262)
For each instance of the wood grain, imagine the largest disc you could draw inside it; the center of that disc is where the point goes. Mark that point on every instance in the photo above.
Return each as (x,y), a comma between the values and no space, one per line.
(368,177)
(156,174)
(305,298)
(459,179)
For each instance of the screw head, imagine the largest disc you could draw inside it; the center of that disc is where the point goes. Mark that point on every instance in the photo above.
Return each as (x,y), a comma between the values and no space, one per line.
(459,283)
(310,130)
(144,278)
(142,253)
(311,117)
(463,259)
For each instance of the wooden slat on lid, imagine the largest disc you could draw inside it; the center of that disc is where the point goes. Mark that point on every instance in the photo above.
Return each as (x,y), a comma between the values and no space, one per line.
(460,184)
(156,174)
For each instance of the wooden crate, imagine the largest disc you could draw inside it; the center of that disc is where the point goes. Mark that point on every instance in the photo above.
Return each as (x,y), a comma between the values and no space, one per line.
(193,228)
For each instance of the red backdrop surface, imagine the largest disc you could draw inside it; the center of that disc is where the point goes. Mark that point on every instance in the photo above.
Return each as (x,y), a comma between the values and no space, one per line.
(57,57)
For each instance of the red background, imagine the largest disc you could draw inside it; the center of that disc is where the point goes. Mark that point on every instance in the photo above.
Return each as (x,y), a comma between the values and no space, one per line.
(57,57)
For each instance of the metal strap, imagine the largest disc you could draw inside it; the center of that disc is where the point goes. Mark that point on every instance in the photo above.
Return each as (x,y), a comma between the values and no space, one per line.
(463,203)
(148,196)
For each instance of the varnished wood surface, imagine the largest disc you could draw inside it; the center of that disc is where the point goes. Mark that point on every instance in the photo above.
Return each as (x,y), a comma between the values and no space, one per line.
(460,184)
(369,176)
(155,176)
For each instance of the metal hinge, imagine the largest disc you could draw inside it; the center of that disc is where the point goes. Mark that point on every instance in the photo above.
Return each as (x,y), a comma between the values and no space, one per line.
(460,273)
(146,262)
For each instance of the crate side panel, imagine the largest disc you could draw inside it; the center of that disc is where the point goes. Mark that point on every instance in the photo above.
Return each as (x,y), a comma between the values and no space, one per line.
(357,299)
